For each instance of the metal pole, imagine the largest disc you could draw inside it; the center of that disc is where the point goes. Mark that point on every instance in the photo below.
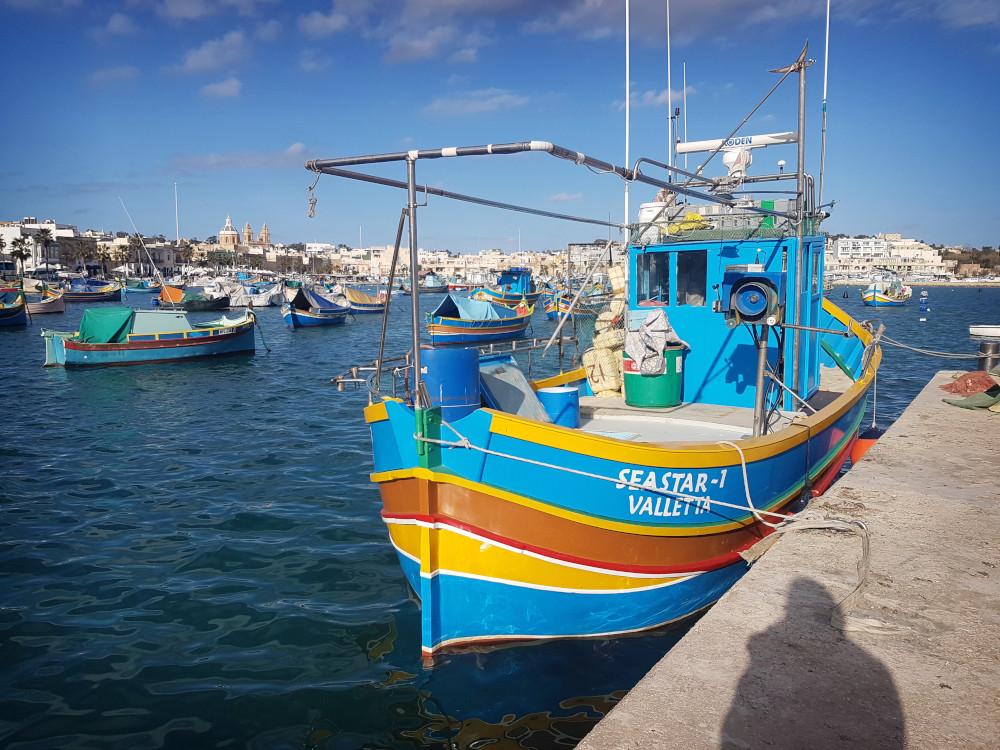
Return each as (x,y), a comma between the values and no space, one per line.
(411,180)
(628,96)
(826,68)
(758,404)
(800,186)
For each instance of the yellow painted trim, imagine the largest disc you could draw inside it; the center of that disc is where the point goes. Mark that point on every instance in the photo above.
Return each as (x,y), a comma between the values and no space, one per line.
(456,552)
(376,412)
(580,518)
(561,379)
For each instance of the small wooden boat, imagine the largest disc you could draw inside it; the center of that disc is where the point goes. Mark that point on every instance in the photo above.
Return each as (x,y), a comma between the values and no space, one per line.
(191,300)
(91,290)
(886,294)
(458,320)
(513,285)
(13,311)
(363,303)
(49,301)
(141,286)
(432,284)
(984,331)
(127,336)
(306,309)
(557,305)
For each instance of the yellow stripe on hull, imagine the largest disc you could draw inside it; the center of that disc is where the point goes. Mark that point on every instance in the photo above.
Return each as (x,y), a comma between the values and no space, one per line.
(457,552)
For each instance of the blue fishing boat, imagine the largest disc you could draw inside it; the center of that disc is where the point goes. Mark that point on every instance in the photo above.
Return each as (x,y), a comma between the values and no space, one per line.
(459,320)
(127,336)
(307,309)
(93,290)
(433,284)
(622,496)
(13,311)
(141,286)
(513,285)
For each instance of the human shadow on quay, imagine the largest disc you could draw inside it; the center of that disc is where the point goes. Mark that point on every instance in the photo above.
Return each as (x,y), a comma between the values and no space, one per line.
(809,687)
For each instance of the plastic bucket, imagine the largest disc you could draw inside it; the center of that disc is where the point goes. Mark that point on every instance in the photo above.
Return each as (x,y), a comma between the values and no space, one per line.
(452,380)
(562,404)
(659,390)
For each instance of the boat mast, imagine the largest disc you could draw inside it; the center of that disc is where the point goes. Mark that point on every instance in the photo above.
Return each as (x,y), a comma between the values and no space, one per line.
(628,97)
(411,200)
(826,69)
(800,211)
(670,106)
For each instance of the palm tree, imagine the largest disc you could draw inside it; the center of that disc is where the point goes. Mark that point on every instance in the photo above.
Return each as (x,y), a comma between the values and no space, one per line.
(44,238)
(134,247)
(3,249)
(20,252)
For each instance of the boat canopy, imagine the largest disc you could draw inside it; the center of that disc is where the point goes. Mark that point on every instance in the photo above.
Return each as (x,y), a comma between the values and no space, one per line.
(105,325)
(471,309)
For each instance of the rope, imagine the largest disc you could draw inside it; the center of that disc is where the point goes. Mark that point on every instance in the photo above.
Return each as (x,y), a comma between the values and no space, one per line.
(928,352)
(464,442)
(260,330)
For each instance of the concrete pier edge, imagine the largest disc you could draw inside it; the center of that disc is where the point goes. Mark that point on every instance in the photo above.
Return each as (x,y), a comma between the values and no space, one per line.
(765,667)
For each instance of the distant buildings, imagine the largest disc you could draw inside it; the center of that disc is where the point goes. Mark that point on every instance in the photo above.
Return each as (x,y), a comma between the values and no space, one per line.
(861,256)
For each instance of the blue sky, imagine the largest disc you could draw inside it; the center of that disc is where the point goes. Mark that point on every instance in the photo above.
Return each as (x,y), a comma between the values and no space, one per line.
(228,99)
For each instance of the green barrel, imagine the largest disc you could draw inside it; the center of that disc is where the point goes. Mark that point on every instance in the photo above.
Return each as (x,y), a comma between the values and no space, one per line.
(655,390)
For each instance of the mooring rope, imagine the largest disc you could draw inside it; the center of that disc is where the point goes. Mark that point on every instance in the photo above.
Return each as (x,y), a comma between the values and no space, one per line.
(928,352)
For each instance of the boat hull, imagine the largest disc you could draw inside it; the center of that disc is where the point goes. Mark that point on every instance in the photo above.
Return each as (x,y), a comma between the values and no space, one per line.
(878,299)
(150,348)
(476,332)
(13,314)
(49,303)
(507,299)
(295,318)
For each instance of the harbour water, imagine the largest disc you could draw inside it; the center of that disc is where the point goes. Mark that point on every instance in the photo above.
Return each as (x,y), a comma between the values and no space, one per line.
(192,556)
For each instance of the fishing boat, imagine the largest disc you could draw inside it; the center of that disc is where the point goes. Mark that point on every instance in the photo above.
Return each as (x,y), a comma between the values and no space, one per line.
(559,304)
(193,300)
(304,308)
(46,301)
(363,303)
(460,320)
(141,286)
(456,285)
(13,311)
(513,285)
(433,284)
(886,293)
(129,336)
(510,524)
(93,290)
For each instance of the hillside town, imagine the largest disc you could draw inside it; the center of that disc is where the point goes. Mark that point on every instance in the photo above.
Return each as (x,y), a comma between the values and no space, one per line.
(54,250)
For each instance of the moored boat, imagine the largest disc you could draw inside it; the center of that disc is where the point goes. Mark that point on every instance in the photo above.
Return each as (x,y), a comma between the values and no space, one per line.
(511,524)
(48,301)
(513,285)
(128,336)
(306,309)
(92,290)
(459,320)
(13,311)
(363,303)
(886,293)
(985,331)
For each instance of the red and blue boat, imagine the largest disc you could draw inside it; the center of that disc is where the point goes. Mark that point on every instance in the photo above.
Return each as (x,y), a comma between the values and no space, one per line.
(882,293)
(513,521)
(126,336)
(460,320)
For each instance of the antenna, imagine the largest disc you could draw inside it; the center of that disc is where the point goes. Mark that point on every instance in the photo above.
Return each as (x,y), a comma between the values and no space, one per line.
(826,68)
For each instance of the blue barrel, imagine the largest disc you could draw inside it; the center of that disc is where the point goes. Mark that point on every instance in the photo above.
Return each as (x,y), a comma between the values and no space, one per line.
(562,404)
(452,380)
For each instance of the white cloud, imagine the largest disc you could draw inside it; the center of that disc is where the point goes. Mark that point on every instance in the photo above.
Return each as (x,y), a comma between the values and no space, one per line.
(408,45)
(184,9)
(476,102)
(268,31)
(312,61)
(121,24)
(227,89)
(566,197)
(293,156)
(106,76)
(465,55)
(322,24)
(215,54)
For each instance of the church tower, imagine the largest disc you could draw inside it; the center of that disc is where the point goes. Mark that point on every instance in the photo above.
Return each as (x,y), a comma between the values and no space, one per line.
(264,238)
(228,236)
(247,235)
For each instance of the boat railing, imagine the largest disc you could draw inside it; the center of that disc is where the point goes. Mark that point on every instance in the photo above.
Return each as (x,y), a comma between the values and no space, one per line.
(400,368)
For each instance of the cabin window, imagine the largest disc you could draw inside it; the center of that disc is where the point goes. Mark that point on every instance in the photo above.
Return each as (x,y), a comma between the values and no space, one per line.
(815,274)
(692,277)
(653,277)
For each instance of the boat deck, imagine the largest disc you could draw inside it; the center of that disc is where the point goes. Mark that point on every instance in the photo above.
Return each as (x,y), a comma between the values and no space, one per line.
(612,417)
